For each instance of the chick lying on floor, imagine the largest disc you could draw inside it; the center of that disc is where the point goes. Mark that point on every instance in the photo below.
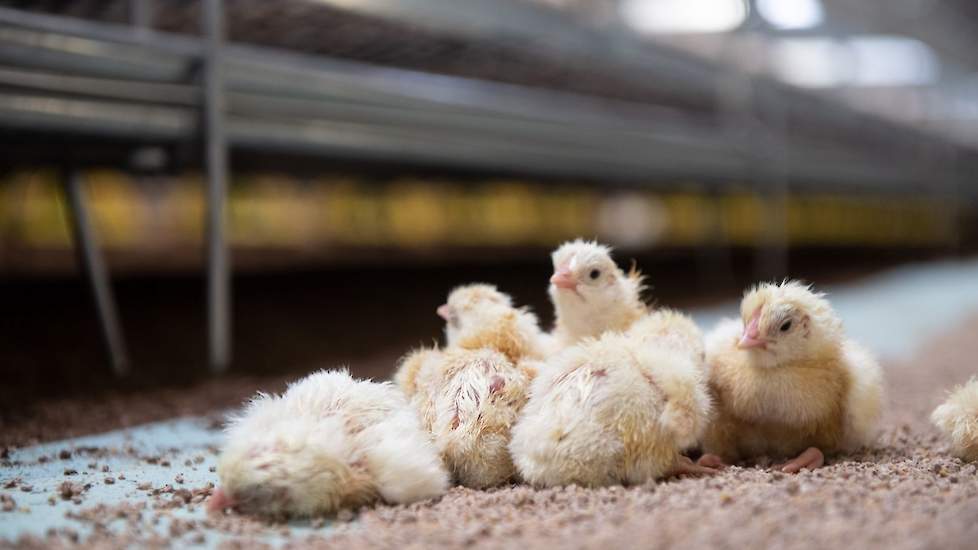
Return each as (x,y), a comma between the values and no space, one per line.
(787,382)
(329,442)
(590,294)
(957,418)
(617,409)
(469,395)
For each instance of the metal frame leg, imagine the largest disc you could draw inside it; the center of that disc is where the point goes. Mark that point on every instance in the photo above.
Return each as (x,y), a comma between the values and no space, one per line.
(87,248)
(771,256)
(218,273)
(140,14)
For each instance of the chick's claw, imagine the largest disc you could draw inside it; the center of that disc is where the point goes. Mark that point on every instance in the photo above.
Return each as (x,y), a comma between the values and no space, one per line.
(811,458)
(686,467)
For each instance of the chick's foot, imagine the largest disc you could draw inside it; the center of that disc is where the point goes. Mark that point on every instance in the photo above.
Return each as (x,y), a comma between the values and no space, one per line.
(811,458)
(712,461)
(686,467)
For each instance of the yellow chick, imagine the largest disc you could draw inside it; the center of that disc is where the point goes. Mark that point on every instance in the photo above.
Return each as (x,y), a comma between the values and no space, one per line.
(670,329)
(958,419)
(329,442)
(591,294)
(787,382)
(469,395)
(617,409)
(480,316)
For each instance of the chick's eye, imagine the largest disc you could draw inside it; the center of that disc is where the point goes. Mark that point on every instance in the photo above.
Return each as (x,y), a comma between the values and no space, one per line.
(786,326)
(595,273)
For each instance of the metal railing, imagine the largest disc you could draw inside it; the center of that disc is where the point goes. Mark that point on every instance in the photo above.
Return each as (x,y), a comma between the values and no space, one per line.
(78,77)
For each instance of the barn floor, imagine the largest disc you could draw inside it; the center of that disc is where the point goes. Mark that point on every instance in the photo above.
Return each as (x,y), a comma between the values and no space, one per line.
(145,485)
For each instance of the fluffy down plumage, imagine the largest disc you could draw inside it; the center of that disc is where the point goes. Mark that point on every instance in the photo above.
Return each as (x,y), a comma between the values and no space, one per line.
(329,442)
(468,400)
(480,316)
(673,333)
(607,411)
(469,395)
(786,378)
(591,294)
(958,419)
(670,329)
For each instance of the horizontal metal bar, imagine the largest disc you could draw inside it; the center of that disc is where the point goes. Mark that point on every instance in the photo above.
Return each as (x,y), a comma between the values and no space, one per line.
(161,41)
(559,117)
(665,65)
(128,90)
(50,50)
(323,79)
(306,102)
(172,123)
(617,157)
(524,114)
(87,117)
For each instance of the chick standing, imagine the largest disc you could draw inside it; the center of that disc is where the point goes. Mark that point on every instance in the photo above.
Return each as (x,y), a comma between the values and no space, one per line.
(469,395)
(958,419)
(329,442)
(617,409)
(786,381)
(591,294)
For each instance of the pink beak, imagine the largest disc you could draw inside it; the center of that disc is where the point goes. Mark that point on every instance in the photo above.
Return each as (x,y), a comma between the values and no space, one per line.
(219,501)
(444,311)
(752,336)
(563,278)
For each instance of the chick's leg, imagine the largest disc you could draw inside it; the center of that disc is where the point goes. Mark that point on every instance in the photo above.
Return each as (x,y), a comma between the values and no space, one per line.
(719,443)
(686,467)
(811,458)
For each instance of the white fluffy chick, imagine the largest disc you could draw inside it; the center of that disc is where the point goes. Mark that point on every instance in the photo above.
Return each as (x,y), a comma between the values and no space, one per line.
(617,409)
(480,316)
(591,294)
(787,382)
(469,395)
(958,419)
(329,442)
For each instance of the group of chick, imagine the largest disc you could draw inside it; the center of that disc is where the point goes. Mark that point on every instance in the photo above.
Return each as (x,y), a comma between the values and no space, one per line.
(615,394)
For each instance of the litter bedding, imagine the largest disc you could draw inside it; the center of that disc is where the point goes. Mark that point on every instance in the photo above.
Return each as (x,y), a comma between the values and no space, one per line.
(147,485)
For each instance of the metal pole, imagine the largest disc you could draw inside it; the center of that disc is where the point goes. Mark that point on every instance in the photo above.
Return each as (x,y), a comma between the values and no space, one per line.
(771,255)
(218,274)
(86,246)
(140,14)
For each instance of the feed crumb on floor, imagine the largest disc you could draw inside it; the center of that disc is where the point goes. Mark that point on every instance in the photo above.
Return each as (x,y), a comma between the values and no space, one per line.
(905,493)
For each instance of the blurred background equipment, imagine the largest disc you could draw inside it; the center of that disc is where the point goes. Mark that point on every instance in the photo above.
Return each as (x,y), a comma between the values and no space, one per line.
(334,144)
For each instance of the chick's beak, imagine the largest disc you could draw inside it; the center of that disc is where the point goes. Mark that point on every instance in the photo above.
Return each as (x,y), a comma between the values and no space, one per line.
(563,278)
(752,336)
(444,311)
(219,501)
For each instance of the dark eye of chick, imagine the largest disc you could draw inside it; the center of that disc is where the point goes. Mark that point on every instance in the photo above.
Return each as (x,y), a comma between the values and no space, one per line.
(786,326)
(595,273)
